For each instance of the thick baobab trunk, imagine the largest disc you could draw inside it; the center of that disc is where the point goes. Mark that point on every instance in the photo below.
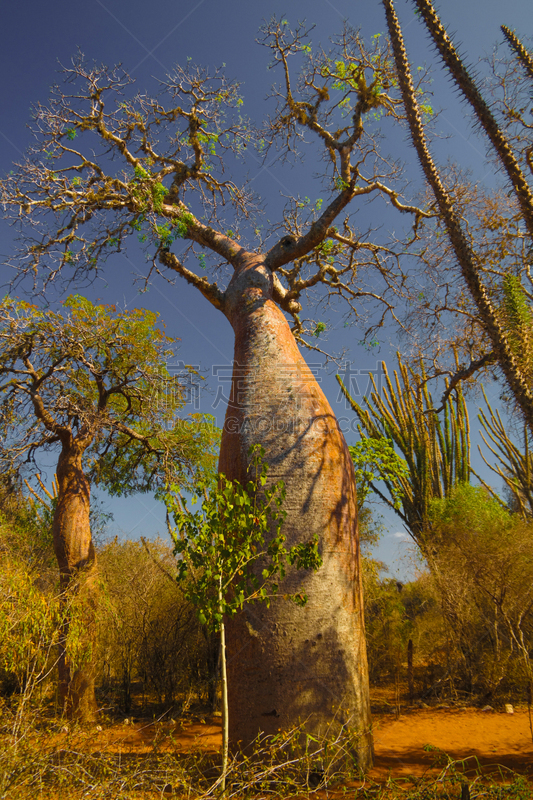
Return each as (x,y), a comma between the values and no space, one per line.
(289,665)
(77,566)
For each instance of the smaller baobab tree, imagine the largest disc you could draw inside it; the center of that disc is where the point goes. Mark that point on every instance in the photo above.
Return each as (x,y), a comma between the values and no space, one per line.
(93,384)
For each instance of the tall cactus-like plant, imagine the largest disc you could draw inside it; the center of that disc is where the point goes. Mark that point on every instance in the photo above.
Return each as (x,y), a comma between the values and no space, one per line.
(469,261)
(436,448)
(486,118)
(519,50)
(517,316)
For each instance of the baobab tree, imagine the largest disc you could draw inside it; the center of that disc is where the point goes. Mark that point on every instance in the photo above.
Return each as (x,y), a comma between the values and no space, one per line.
(91,385)
(108,165)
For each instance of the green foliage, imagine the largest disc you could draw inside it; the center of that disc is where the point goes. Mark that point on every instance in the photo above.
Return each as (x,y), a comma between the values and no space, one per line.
(107,370)
(176,228)
(236,529)
(30,626)
(232,552)
(472,509)
(148,191)
(376,460)
(482,564)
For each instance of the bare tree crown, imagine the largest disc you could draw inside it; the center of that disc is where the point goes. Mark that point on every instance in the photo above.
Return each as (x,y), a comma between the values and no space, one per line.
(108,164)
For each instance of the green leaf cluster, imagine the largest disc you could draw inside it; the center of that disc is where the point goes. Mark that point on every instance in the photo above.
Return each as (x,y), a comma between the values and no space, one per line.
(518,319)
(30,623)
(104,375)
(377,460)
(232,550)
(148,190)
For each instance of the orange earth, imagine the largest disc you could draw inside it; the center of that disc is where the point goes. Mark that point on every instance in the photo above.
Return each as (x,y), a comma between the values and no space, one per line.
(489,739)
(480,738)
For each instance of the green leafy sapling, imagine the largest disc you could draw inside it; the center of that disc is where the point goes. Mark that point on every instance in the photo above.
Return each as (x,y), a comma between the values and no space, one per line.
(376,460)
(232,551)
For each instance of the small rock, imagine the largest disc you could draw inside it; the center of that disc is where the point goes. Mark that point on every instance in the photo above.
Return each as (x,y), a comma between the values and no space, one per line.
(487,708)
(509,709)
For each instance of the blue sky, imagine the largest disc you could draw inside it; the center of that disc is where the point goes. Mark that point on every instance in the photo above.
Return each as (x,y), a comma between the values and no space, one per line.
(148,39)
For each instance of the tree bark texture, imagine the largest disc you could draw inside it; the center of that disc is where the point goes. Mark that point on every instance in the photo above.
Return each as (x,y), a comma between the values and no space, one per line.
(289,665)
(77,569)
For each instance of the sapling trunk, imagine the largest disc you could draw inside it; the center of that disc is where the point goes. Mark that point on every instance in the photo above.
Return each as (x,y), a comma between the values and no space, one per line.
(224,682)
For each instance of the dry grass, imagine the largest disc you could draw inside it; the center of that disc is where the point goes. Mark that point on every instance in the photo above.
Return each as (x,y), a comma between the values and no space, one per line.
(47,762)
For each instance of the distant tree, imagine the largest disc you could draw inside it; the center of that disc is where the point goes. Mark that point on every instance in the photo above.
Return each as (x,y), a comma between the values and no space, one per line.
(94,384)
(483,569)
(148,632)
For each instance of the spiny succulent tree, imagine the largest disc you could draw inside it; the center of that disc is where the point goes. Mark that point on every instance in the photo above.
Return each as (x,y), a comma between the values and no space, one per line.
(471,265)
(109,165)
(435,450)
(524,57)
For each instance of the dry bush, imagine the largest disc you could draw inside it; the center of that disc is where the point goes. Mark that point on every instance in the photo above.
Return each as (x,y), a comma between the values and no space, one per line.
(396,613)
(470,617)
(149,635)
(28,599)
(482,566)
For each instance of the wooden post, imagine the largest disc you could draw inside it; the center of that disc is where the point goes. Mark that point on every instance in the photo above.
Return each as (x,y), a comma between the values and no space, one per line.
(410,680)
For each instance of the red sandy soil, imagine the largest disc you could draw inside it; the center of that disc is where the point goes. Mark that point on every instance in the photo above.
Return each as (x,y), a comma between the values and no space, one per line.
(481,738)
(477,737)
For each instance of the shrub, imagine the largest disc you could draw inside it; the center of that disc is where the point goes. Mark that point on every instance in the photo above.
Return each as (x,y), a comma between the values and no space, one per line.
(149,635)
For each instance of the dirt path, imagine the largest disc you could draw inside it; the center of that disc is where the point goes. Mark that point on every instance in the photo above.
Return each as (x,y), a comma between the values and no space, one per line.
(488,736)
(491,737)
